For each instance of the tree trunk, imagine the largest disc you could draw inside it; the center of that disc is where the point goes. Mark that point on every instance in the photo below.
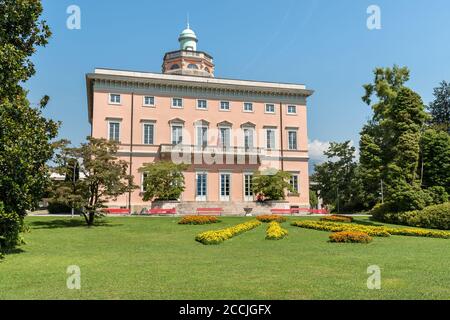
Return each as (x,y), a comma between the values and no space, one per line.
(91,219)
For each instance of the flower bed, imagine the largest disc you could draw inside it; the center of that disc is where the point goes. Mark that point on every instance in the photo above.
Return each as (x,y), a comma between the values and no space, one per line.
(350,237)
(270,218)
(219,236)
(197,220)
(336,218)
(370,230)
(419,233)
(275,232)
(338,227)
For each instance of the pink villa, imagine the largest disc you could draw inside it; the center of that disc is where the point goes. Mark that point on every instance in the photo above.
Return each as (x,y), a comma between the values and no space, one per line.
(224,129)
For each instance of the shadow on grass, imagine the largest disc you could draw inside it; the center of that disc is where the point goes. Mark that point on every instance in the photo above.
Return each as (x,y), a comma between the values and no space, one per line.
(74,223)
(367,223)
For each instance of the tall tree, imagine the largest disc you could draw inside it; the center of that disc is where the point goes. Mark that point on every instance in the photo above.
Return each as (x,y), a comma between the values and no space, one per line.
(25,135)
(102,177)
(440,108)
(390,141)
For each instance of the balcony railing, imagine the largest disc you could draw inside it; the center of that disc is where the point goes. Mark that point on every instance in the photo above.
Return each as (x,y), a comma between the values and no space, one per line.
(185,53)
(192,149)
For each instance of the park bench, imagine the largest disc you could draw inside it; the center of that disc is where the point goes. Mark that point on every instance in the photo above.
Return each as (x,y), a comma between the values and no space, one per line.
(116,211)
(209,211)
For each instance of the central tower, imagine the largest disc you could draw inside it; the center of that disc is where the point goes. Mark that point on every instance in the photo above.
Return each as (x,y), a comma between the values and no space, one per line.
(187,60)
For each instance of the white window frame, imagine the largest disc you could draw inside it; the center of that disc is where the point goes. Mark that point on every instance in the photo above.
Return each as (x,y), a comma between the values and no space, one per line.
(198,104)
(172,125)
(146,104)
(266,140)
(297,175)
(229,136)
(225,198)
(142,181)
(289,131)
(247,198)
(253,135)
(225,110)
(269,112)
(110,95)
(119,122)
(177,107)
(152,123)
(202,198)
(248,103)
(197,137)
(291,113)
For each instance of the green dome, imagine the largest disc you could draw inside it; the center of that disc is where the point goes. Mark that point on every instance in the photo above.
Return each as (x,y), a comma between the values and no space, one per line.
(187,33)
(188,39)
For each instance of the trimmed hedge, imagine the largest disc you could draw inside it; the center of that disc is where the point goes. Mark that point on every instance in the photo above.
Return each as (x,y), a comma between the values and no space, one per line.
(275,232)
(433,217)
(337,218)
(350,237)
(198,220)
(219,236)
(271,217)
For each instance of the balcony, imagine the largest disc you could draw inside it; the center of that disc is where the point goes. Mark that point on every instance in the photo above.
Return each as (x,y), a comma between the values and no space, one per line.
(189,54)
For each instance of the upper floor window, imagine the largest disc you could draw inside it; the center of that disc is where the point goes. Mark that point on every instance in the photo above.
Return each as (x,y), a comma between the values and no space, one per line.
(248,107)
(114,131)
(114,98)
(177,103)
(270,108)
(292,109)
(192,66)
(270,139)
(292,140)
(202,104)
(149,133)
(177,134)
(143,182)
(149,101)
(224,105)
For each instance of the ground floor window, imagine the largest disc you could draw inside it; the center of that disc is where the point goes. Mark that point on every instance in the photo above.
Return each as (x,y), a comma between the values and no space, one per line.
(294,182)
(248,187)
(225,186)
(202,187)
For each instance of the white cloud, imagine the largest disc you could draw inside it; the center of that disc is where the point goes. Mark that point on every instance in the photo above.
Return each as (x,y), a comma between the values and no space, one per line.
(316,150)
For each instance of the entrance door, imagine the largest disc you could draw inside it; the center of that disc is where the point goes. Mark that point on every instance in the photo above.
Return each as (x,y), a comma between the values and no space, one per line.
(225,183)
(248,192)
(201,182)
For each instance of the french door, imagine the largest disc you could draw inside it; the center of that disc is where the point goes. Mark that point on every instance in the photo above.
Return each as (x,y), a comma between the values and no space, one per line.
(202,186)
(225,186)
(248,192)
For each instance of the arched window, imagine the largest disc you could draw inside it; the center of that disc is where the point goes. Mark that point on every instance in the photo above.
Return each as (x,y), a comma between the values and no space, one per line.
(193,66)
(174,66)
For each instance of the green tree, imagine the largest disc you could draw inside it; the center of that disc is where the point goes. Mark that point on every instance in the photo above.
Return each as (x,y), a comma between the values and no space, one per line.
(313,199)
(440,108)
(336,179)
(102,177)
(271,184)
(390,142)
(163,181)
(435,163)
(25,135)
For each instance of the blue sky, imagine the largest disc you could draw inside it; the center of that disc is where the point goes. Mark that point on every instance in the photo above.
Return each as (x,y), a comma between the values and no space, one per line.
(323,44)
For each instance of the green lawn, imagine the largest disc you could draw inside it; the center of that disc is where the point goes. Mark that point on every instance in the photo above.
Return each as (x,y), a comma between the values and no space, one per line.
(155,258)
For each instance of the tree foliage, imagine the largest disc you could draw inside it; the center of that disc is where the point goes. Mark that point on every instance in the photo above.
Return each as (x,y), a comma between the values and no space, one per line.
(163,181)
(440,108)
(271,184)
(102,177)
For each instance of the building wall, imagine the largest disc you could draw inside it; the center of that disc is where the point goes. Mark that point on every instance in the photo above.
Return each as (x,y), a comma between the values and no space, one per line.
(163,112)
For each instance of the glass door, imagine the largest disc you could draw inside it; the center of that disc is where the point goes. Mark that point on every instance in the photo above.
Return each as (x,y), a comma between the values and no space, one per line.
(225,184)
(248,192)
(201,182)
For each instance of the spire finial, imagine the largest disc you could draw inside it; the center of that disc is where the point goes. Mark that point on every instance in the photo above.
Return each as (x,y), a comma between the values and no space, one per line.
(188,26)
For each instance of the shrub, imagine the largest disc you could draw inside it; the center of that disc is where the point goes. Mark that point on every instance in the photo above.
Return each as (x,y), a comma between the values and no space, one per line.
(58,207)
(275,232)
(219,236)
(338,227)
(10,228)
(336,218)
(419,233)
(438,194)
(350,237)
(196,220)
(270,218)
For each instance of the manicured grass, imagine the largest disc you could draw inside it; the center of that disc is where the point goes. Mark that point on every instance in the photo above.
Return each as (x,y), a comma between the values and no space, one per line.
(155,258)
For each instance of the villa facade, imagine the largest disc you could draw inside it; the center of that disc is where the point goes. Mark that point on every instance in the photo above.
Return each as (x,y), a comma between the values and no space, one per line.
(224,129)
